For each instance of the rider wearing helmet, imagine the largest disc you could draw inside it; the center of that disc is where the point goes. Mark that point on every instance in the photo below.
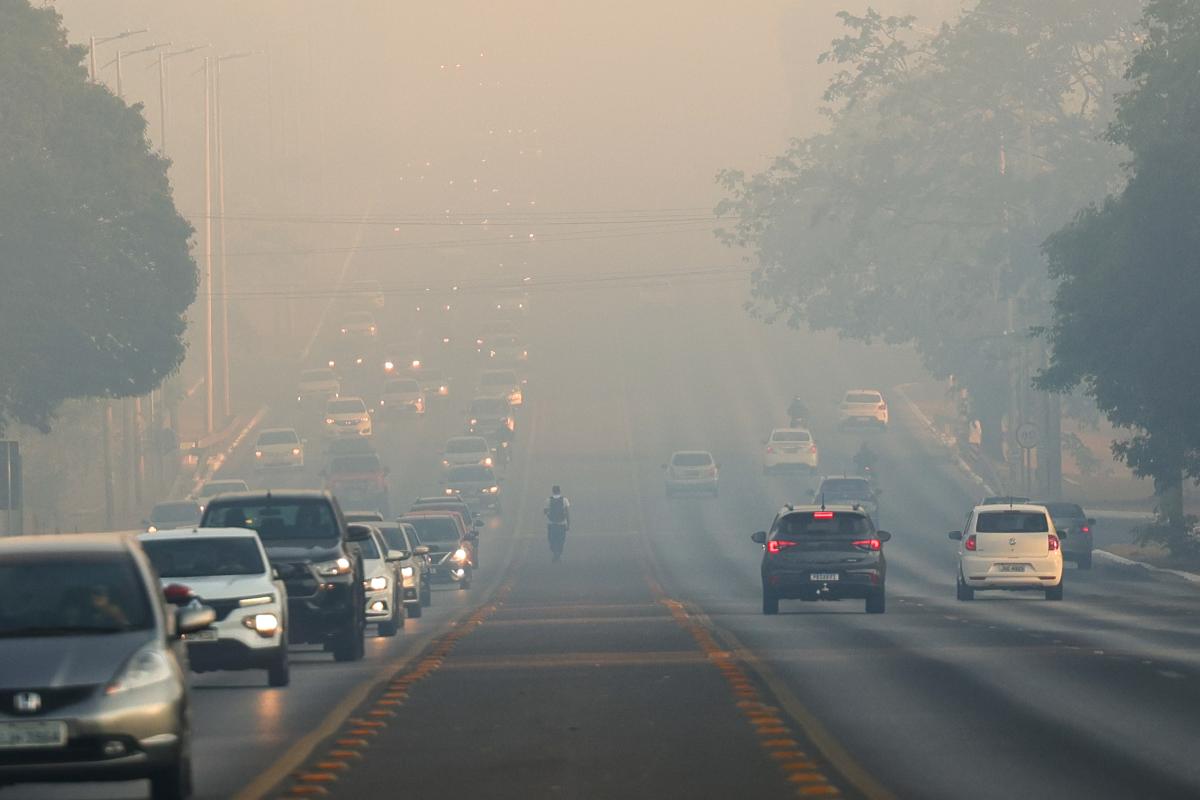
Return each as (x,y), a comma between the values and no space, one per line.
(558,516)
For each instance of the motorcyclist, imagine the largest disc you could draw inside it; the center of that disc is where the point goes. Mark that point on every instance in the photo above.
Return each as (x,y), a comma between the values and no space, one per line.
(797,411)
(558,516)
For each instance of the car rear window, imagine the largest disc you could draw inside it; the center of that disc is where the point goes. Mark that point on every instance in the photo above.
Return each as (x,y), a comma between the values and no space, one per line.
(435,529)
(691,459)
(202,556)
(1064,510)
(69,594)
(476,445)
(275,520)
(1012,522)
(791,436)
(864,397)
(278,437)
(823,525)
(845,487)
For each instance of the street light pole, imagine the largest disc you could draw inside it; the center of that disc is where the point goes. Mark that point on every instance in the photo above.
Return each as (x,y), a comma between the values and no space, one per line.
(208,238)
(105,40)
(164,91)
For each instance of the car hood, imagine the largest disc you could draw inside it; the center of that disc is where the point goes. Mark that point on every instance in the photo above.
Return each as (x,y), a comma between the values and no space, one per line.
(60,661)
(225,587)
(303,550)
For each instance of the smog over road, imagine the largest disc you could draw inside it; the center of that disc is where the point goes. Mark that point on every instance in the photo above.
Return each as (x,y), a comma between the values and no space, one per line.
(540,400)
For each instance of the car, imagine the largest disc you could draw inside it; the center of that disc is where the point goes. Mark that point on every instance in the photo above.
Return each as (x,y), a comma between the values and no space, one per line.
(692,471)
(849,490)
(491,417)
(363,516)
(228,570)
(402,397)
(358,324)
(1074,528)
(1013,547)
(467,450)
(318,385)
(502,383)
(210,489)
(472,521)
(384,595)
(405,548)
(863,407)
(434,383)
(94,671)
(449,544)
(496,327)
(277,448)
(823,553)
(399,357)
(172,514)
(318,557)
(347,417)
(475,484)
(360,481)
(506,348)
(789,448)
(1004,500)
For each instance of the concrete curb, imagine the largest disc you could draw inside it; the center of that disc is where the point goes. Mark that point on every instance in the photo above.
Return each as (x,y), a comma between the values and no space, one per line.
(1113,558)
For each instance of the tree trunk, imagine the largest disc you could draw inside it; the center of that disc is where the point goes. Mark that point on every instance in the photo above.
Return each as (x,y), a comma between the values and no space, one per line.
(1168,489)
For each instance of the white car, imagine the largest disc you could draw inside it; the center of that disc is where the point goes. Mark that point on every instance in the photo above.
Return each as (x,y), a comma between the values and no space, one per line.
(401,397)
(210,489)
(863,407)
(385,596)
(358,323)
(501,383)
(278,447)
(318,385)
(409,556)
(467,451)
(1009,547)
(692,471)
(790,447)
(228,570)
(347,417)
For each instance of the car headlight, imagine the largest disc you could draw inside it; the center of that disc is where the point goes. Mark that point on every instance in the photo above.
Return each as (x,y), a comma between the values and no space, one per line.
(147,667)
(445,462)
(264,625)
(258,453)
(443,390)
(449,490)
(260,600)
(295,451)
(343,330)
(487,461)
(460,555)
(339,566)
(493,489)
(378,583)
(406,572)
(474,422)
(389,366)
(329,420)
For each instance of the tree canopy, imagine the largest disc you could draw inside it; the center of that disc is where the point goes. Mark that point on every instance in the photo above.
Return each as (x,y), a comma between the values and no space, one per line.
(94,261)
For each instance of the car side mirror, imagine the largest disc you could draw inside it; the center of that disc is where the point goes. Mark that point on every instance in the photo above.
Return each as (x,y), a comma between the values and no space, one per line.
(275,576)
(759,537)
(358,533)
(1091,521)
(397,555)
(883,536)
(955,536)
(190,620)
(421,550)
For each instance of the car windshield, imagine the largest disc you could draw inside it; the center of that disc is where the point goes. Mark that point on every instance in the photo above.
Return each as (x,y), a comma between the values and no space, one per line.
(401,387)
(183,512)
(823,525)
(202,556)
(317,376)
(1064,511)
(355,464)
(354,406)
(393,534)
(790,436)
(278,437)
(471,474)
(691,460)
(863,397)
(276,520)
(489,407)
(498,379)
(434,529)
(64,594)
(473,445)
(845,487)
(360,317)
(1012,522)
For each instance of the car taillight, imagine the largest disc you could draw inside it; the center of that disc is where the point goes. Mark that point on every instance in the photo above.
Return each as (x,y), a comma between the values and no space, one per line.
(812,449)
(822,515)
(1085,529)
(1053,541)
(775,545)
(969,544)
(868,544)
(770,449)
(882,407)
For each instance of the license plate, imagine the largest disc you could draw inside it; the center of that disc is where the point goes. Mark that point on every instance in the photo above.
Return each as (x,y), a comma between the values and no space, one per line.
(1012,567)
(201,636)
(824,576)
(34,733)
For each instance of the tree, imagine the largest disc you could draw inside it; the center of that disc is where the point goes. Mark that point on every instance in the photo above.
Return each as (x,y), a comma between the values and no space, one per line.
(950,156)
(1128,271)
(94,257)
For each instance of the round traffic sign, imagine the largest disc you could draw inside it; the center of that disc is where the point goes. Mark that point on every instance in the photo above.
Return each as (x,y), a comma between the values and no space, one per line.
(1027,435)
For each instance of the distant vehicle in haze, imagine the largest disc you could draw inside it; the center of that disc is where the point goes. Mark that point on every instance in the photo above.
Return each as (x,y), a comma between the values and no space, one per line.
(502,383)
(1074,528)
(347,417)
(491,417)
(1013,547)
(692,471)
(434,382)
(278,447)
(385,604)
(477,485)
(790,448)
(94,666)
(410,558)
(358,324)
(173,514)
(823,553)
(317,386)
(449,542)
(506,348)
(358,481)
(863,407)
(467,450)
(402,397)
(398,358)
(494,328)
(210,489)
(228,570)
(848,490)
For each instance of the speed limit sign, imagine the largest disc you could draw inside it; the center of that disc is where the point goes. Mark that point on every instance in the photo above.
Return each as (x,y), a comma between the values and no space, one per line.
(1027,435)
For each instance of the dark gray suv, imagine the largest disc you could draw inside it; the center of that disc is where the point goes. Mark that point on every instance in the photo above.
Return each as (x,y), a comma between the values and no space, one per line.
(823,553)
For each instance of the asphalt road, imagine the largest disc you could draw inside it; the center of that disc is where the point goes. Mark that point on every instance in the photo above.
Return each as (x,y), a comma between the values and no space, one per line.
(642,667)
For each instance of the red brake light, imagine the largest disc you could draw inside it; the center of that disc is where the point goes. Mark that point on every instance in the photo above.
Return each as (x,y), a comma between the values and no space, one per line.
(822,515)
(868,544)
(1085,529)
(1053,540)
(969,544)
(770,449)
(775,545)
(812,449)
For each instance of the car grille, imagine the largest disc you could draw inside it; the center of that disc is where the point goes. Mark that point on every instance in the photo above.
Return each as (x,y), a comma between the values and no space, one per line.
(298,579)
(223,608)
(52,699)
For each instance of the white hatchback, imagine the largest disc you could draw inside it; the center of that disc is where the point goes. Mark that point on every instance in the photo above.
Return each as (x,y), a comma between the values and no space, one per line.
(1009,547)
(692,471)
(467,451)
(228,570)
(790,447)
(347,417)
(402,397)
(278,447)
(863,407)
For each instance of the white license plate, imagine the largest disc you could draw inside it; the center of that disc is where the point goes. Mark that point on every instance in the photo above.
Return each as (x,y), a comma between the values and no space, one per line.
(1012,567)
(34,733)
(823,576)
(207,635)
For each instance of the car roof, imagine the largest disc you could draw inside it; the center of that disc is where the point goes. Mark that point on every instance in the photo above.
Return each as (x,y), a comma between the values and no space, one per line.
(859,478)
(999,508)
(841,508)
(264,495)
(791,430)
(67,543)
(471,438)
(276,430)
(691,453)
(864,391)
(194,532)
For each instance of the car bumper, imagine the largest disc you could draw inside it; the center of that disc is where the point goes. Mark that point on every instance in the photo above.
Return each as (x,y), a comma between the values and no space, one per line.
(863,419)
(692,484)
(346,431)
(237,646)
(268,461)
(985,573)
(380,607)
(322,615)
(782,460)
(799,584)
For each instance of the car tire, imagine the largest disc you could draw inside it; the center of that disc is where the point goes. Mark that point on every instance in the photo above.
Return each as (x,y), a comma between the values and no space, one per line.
(426,594)
(349,646)
(877,602)
(770,602)
(1084,561)
(388,629)
(1055,592)
(173,781)
(964,592)
(279,671)
(414,610)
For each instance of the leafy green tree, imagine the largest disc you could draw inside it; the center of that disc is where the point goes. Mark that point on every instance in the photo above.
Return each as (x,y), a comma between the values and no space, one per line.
(950,156)
(94,262)
(1125,312)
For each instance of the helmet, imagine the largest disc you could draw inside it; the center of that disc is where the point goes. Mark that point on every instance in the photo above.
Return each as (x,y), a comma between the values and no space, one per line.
(555,489)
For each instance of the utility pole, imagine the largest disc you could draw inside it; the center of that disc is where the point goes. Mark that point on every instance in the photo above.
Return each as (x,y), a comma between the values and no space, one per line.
(208,240)
(92,71)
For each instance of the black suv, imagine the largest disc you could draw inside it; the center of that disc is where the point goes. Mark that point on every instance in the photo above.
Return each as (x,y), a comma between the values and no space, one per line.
(318,558)
(1074,528)
(820,553)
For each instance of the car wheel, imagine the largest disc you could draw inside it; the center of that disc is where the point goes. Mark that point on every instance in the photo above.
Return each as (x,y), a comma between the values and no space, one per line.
(1055,592)
(877,602)
(172,782)
(279,672)
(770,602)
(1084,561)
(964,592)
(349,645)
(414,610)
(389,628)
(426,594)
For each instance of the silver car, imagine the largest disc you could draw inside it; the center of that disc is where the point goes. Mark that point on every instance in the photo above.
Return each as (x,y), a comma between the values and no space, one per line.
(477,485)
(93,682)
